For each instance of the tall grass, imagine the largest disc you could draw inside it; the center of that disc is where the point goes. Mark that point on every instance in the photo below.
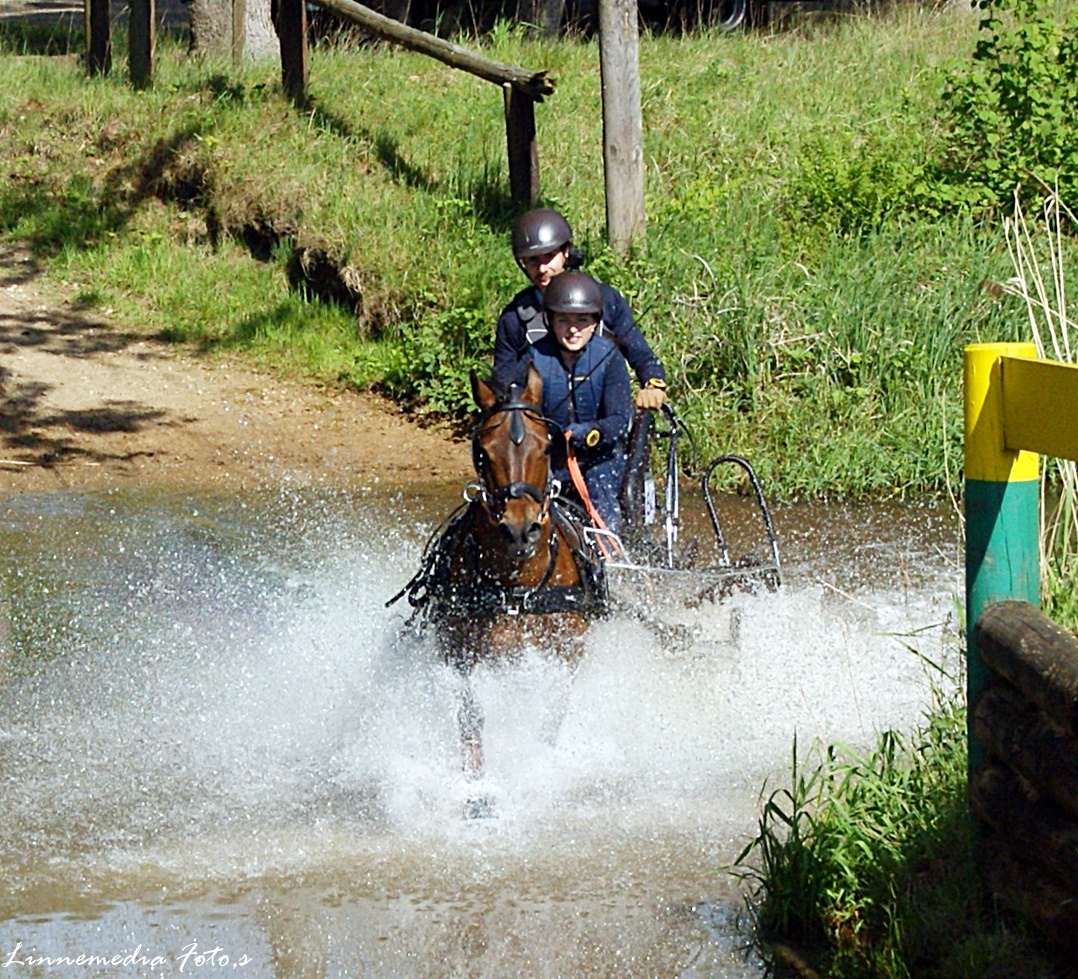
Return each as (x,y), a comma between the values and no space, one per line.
(863,868)
(807,323)
(1040,281)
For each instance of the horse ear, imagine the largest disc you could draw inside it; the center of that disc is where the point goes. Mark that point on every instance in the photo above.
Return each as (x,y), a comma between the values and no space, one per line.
(482,393)
(533,392)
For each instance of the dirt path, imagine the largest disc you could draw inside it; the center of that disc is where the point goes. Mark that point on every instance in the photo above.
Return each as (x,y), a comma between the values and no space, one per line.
(83,404)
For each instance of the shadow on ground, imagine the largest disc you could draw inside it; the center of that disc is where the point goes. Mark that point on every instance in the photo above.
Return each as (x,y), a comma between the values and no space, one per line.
(32,432)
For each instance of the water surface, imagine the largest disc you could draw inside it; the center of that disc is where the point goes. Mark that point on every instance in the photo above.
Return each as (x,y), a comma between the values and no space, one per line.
(213,735)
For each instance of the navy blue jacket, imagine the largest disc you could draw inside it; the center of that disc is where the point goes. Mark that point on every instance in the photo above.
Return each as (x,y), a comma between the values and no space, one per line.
(522,323)
(593,395)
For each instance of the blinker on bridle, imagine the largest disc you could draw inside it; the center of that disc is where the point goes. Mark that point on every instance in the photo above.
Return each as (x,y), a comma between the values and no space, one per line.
(516,409)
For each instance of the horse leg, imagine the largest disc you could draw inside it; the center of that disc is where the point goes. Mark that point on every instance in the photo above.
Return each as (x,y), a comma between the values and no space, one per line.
(470,719)
(570,652)
(470,722)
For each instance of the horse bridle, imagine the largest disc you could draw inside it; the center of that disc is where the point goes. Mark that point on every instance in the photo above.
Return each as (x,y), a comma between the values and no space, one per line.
(496,498)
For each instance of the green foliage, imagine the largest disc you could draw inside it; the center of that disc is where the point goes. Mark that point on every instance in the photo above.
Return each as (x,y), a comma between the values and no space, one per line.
(843,190)
(437,355)
(806,321)
(866,863)
(1011,110)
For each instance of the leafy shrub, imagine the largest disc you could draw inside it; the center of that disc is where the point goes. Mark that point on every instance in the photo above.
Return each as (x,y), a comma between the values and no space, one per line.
(438,352)
(1011,111)
(850,192)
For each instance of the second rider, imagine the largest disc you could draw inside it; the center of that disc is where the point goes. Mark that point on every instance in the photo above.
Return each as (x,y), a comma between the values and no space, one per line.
(543,248)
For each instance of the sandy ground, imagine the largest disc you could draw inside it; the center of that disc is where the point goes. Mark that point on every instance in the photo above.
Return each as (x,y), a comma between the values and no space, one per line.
(85,405)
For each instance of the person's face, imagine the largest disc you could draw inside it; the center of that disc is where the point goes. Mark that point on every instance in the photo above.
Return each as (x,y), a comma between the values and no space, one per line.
(542,268)
(573,330)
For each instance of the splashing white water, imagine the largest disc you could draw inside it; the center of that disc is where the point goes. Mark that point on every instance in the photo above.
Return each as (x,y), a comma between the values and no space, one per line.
(218,714)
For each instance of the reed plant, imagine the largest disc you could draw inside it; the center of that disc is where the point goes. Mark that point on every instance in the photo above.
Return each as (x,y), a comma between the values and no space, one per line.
(1042,257)
(863,867)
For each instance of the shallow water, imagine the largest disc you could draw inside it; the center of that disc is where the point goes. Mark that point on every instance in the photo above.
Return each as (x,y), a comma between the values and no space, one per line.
(214,735)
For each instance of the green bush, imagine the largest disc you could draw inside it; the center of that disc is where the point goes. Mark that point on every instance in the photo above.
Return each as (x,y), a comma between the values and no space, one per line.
(1011,111)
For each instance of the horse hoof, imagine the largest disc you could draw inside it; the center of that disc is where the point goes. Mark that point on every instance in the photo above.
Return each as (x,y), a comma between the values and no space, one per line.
(479,807)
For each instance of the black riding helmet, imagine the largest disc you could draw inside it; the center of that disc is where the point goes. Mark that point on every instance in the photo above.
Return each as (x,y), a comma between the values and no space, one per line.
(540,232)
(573,292)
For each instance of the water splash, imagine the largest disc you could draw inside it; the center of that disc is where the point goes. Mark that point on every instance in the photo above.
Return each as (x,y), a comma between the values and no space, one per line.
(208,697)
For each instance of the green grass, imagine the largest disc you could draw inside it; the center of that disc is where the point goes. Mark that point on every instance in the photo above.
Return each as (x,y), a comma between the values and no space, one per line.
(864,866)
(808,321)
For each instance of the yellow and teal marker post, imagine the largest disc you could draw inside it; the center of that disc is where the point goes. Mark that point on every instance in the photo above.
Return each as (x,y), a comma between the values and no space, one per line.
(1002,498)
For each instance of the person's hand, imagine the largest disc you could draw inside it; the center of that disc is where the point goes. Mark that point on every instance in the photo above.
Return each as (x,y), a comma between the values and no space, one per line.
(650,399)
(581,434)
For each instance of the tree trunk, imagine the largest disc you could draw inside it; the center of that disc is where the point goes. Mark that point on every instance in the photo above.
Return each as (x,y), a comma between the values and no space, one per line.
(623,150)
(211,29)
(544,15)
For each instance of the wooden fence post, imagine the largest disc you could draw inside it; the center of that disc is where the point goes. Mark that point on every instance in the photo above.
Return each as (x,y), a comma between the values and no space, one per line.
(292,30)
(98,36)
(523,150)
(623,149)
(142,38)
(239,30)
(1002,501)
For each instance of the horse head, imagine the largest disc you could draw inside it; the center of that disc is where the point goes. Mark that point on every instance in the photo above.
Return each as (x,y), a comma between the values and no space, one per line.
(511,452)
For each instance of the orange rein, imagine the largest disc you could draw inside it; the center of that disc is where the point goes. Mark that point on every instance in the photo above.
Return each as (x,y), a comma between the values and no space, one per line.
(577,476)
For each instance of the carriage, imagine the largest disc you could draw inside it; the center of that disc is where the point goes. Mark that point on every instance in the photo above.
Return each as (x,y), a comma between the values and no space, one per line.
(652,561)
(518,565)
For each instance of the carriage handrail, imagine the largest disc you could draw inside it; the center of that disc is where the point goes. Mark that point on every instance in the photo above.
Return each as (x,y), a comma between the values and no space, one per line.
(705,486)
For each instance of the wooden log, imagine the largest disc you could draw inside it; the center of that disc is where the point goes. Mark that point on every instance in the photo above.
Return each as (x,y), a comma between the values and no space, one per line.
(1035,655)
(98,37)
(1022,886)
(534,84)
(623,141)
(1018,734)
(292,30)
(523,150)
(1044,835)
(142,38)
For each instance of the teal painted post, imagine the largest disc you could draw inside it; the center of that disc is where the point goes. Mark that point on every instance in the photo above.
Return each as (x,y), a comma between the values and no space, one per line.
(1002,506)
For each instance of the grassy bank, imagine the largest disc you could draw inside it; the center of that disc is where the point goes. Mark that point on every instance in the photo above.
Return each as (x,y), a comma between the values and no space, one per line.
(806,323)
(864,867)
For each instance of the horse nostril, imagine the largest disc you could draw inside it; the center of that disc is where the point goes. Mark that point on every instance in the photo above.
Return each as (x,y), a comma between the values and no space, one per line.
(534,532)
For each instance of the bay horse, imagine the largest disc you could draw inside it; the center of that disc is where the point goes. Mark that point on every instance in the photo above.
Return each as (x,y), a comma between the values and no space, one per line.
(512,568)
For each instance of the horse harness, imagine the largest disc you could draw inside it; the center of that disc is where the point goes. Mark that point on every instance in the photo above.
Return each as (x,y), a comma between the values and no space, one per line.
(436,596)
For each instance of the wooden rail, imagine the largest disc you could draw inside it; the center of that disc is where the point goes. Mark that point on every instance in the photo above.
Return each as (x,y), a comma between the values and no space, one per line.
(522,87)
(1026,790)
(535,84)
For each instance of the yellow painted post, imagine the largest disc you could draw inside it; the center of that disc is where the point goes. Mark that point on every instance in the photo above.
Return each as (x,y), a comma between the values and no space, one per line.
(1002,499)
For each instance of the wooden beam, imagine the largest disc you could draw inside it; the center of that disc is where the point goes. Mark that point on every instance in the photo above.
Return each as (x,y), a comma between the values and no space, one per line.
(1038,406)
(623,142)
(98,37)
(1034,655)
(142,39)
(531,83)
(1014,731)
(239,30)
(523,150)
(292,30)
(1035,828)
